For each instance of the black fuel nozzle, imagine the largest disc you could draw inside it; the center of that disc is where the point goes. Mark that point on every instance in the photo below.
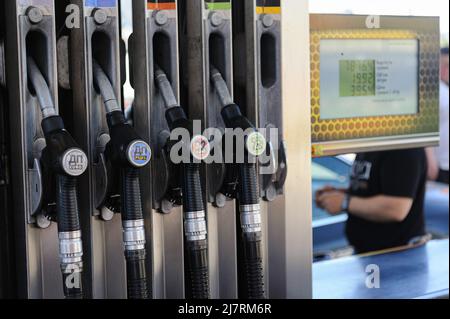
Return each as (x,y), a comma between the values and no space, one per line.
(248,189)
(231,113)
(125,149)
(66,161)
(195,228)
(128,153)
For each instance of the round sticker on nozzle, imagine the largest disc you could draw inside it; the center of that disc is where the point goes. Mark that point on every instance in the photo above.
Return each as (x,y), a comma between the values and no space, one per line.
(200,147)
(256,144)
(74,162)
(139,154)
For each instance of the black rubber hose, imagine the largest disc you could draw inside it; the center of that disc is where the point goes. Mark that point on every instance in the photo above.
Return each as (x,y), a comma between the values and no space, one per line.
(197,268)
(197,251)
(135,259)
(136,274)
(253,263)
(68,221)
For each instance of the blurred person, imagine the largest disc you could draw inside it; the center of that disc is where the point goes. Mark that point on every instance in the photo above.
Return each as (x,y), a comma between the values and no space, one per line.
(385,199)
(438,157)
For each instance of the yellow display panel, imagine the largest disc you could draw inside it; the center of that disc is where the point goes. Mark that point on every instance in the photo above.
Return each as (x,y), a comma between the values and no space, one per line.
(354,134)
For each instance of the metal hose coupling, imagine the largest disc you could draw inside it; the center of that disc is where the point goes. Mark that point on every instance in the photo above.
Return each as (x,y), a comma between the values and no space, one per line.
(71,252)
(134,234)
(250,218)
(195,226)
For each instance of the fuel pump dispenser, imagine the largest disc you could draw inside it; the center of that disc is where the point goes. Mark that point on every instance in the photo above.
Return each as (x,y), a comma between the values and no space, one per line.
(155,41)
(258,90)
(247,190)
(195,230)
(63,158)
(128,153)
(46,159)
(206,38)
(117,152)
(156,102)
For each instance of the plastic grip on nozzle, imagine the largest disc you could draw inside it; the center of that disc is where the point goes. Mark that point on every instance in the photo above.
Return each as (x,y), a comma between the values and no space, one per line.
(131,195)
(67,204)
(233,118)
(192,188)
(248,185)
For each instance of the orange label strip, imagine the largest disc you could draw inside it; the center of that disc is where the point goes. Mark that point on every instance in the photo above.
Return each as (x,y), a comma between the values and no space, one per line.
(161,6)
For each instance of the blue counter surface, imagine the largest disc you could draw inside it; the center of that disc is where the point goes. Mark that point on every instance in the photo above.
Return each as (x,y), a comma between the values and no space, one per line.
(421,272)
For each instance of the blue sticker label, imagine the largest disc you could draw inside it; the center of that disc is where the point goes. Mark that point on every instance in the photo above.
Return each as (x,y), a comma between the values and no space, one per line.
(101,3)
(139,154)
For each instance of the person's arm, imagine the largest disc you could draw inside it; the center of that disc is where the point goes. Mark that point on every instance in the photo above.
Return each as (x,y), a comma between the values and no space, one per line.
(380,209)
(401,174)
(327,189)
(433,165)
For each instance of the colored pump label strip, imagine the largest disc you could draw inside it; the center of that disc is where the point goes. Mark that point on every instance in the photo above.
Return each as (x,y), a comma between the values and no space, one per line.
(218,4)
(161,5)
(46,3)
(268,6)
(101,3)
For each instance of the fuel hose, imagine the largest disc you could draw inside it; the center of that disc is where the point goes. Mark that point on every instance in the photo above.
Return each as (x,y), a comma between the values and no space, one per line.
(128,153)
(67,161)
(248,195)
(196,245)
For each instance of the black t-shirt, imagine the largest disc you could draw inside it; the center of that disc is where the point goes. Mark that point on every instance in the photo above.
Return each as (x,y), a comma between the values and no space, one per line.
(392,173)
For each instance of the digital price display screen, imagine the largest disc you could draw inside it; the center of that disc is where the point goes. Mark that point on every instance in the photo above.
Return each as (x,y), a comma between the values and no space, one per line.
(368,77)
(356,78)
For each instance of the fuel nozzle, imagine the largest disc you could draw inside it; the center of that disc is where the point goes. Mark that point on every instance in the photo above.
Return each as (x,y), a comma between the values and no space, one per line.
(193,207)
(128,153)
(248,189)
(233,117)
(126,149)
(67,161)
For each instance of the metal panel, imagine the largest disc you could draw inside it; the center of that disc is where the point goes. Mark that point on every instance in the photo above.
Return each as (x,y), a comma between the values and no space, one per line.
(102,231)
(204,104)
(295,260)
(259,32)
(154,21)
(36,248)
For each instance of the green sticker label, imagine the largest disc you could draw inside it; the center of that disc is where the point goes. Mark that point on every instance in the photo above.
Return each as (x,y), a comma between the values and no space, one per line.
(256,144)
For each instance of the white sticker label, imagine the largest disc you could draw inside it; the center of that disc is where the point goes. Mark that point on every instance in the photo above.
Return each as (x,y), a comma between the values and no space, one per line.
(200,147)
(75,162)
(256,144)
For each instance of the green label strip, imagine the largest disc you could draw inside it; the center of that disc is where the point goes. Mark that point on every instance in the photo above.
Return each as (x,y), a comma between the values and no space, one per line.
(219,6)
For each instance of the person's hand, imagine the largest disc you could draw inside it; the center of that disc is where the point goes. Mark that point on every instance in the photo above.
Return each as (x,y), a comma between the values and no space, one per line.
(331,201)
(322,191)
